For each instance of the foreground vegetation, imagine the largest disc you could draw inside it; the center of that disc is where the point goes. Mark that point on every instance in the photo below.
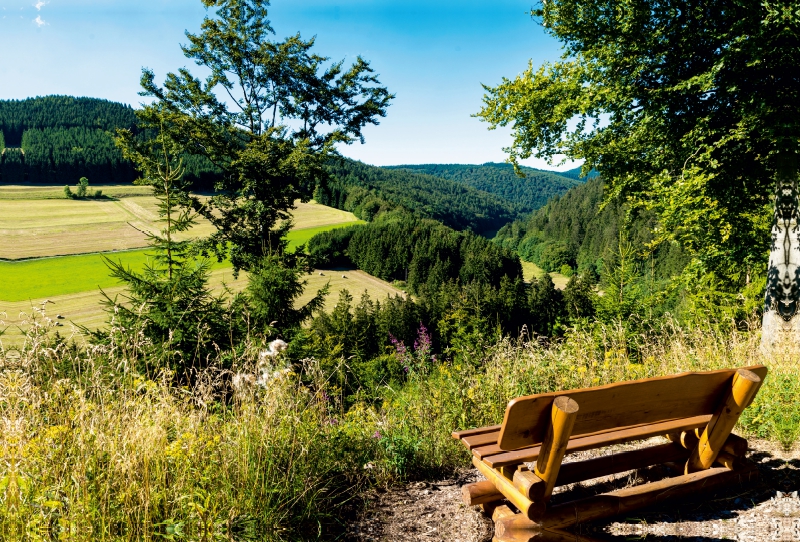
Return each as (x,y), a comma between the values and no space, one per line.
(283,459)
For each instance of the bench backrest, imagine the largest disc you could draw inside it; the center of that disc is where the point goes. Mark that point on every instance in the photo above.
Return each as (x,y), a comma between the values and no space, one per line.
(624,404)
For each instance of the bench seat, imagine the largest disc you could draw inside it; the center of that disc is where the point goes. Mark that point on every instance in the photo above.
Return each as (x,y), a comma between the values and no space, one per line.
(695,411)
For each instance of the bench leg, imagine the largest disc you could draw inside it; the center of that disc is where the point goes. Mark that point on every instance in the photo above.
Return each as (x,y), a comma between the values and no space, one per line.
(517,528)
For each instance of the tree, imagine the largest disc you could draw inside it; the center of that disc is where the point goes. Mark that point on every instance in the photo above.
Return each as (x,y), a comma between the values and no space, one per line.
(83,185)
(168,306)
(689,109)
(268,117)
(272,291)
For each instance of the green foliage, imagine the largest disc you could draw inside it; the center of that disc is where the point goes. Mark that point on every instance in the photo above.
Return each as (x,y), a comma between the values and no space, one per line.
(272,292)
(580,298)
(329,249)
(368,191)
(83,185)
(525,194)
(68,193)
(64,138)
(576,229)
(272,139)
(168,306)
(623,293)
(12,166)
(686,111)
(423,253)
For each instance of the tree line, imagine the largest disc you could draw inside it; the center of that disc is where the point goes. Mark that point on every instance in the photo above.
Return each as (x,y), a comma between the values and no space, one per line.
(64,138)
(17,116)
(368,190)
(577,231)
(527,194)
(422,253)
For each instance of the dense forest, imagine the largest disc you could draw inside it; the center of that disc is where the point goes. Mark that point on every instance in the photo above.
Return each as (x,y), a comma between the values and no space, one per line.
(527,193)
(421,252)
(63,138)
(368,190)
(572,230)
(459,280)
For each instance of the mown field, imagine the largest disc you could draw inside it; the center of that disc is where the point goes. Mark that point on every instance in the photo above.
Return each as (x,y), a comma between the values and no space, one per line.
(532,271)
(44,225)
(55,249)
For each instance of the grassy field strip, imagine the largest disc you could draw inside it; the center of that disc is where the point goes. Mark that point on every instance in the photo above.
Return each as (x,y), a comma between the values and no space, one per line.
(41,227)
(34,279)
(532,271)
(39,192)
(85,309)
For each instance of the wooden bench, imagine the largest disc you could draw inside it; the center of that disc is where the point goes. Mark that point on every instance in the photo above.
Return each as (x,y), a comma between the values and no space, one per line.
(695,411)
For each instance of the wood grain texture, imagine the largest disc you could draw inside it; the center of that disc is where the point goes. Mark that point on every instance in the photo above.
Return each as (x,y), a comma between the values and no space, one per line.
(632,498)
(551,453)
(458,435)
(480,493)
(741,393)
(502,511)
(506,487)
(630,403)
(495,457)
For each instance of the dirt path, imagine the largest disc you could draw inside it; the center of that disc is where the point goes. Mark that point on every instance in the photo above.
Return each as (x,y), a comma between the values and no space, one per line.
(433,510)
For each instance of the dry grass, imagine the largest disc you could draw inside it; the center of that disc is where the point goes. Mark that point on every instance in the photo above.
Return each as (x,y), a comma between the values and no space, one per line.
(532,271)
(285,456)
(33,225)
(84,308)
(38,191)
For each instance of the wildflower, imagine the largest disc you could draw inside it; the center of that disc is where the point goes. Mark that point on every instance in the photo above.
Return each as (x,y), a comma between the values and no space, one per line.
(242,381)
(278,346)
(376,434)
(274,348)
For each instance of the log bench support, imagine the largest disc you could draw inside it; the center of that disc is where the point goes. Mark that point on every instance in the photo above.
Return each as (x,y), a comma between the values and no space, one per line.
(518,497)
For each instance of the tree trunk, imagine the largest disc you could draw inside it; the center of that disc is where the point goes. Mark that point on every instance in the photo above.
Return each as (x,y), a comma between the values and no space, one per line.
(780,326)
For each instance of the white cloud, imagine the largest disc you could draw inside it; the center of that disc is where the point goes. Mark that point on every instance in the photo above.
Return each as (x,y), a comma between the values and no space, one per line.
(39,5)
(39,21)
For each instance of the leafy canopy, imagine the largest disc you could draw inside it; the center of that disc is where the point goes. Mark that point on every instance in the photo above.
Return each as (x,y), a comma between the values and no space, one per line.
(688,108)
(268,117)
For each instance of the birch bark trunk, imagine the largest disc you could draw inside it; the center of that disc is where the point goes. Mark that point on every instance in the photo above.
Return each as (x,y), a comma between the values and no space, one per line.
(781,325)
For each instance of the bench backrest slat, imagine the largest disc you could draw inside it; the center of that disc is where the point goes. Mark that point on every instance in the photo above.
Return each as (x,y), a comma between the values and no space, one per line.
(636,402)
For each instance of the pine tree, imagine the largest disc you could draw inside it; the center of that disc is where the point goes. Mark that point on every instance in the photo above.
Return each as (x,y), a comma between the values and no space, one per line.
(168,305)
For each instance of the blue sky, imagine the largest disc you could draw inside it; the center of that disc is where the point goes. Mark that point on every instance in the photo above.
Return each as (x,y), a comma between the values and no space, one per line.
(434,55)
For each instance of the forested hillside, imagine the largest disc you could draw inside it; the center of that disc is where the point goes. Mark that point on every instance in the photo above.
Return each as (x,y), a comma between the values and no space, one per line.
(572,230)
(367,191)
(526,193)
(575,173)
(459,280)
(62,139)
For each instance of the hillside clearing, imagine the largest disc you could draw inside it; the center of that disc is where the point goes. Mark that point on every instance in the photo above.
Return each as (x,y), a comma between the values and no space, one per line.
(40,225)
(532,271)
(84,308)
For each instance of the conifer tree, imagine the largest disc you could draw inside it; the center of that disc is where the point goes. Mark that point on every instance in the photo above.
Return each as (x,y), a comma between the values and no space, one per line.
(168,304)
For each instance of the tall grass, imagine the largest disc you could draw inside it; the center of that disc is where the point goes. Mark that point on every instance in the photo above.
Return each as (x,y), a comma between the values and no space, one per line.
(93,450)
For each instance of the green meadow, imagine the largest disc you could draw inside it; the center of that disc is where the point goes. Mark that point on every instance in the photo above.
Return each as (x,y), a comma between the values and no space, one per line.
(49,277)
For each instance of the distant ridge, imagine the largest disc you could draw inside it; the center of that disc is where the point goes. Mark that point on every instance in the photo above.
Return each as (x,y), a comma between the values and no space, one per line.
(527,194)
(367,190)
